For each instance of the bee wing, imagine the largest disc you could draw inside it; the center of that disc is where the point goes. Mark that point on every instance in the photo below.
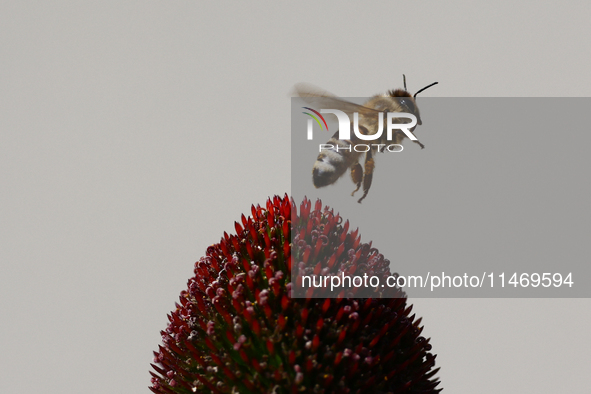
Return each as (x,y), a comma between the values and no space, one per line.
(323,100)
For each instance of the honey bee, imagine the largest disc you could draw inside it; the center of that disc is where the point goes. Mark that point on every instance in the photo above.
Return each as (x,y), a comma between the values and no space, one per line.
(332,164)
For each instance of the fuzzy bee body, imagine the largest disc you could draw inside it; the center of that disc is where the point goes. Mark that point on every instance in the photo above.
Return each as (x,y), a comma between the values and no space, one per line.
(332,163)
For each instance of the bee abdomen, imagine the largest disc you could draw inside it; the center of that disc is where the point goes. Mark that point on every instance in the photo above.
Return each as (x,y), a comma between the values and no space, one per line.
(332,162)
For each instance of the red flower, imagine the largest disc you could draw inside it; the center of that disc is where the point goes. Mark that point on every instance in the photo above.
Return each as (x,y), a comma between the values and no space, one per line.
(238,329)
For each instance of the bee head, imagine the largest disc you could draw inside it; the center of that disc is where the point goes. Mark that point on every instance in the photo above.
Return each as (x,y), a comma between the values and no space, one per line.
(407,102)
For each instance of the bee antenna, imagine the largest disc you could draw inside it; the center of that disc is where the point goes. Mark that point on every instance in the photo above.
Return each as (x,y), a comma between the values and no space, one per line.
(426,87)
(404,79)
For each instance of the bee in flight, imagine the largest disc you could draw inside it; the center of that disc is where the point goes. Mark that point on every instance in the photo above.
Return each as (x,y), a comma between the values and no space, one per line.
(332,163)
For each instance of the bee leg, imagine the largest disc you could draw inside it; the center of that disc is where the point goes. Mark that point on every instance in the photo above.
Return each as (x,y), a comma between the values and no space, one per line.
(356,175)
(418,142)
(368,176)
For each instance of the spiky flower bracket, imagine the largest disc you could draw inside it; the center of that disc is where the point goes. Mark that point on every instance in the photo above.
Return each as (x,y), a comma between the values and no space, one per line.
(238,329)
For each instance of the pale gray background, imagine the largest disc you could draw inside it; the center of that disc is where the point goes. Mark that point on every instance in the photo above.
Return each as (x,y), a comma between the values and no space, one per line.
(134,134)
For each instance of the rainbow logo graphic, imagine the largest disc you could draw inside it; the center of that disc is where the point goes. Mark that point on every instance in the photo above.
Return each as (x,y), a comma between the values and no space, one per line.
(316,119)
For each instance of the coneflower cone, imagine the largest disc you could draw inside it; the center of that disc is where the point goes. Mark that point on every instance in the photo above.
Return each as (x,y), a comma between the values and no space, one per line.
(238,330)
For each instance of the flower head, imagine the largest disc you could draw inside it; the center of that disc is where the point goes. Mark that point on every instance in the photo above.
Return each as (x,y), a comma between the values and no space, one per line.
(238,328)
